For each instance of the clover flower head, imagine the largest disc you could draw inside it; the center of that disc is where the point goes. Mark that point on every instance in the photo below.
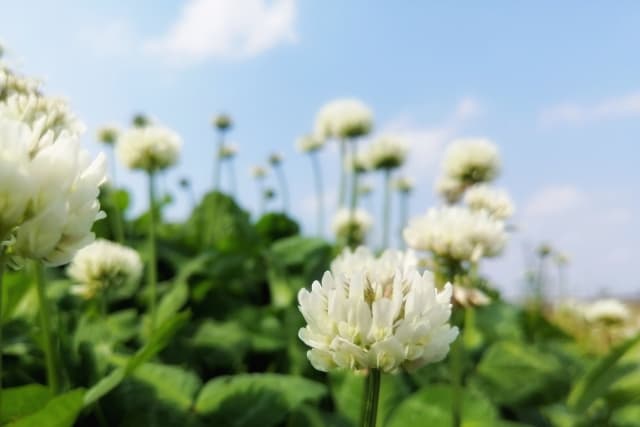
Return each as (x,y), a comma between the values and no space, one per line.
(149,148)
(376,313)
(343,118)
(472,161)
(496,202)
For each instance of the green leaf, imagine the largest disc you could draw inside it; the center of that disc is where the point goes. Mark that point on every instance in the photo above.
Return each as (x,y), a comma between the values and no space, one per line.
(157,342)
(170,384)
(431,406)
(518,373)
(221,344)
(629,416)
(61,411)
(597,380)
(255,399)
(18,402)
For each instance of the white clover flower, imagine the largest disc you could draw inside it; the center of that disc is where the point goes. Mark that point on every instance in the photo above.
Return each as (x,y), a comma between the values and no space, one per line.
(101,265)
(258,172)
(609,311)
(43,115)
(149,148)
(450,189)
(64,204)
(228,151)
(383,267)
(275,159)
(309,143)
(343,118)
(12,84)
(16,185)
(356,227)
(376,316)
(387,152)
(496,202)
(108,134)
(362,163)
(469,297)
(457,233)
(472,161)
(403,185)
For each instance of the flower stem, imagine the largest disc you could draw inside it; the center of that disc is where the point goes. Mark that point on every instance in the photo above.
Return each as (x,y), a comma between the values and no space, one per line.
(152,272)
(317,173)
(115,215)
(371,397)
(217,162)
(53,378)
(2,265)
(386,208)
(457,353)
(261,197)
(353,202)
(404,212)
(232,177)
(343,173)
(283,188)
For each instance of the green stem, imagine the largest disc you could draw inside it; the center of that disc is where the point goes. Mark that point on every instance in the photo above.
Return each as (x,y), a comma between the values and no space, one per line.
(317,174)
(283,188)
(152,273)
(457,353)
(261,197)
(115,217)
(232,178)
(2,265)
(353,201)
(404,212)
(371,397)
(217,161)
(53,378)
(386,208)
(343,174)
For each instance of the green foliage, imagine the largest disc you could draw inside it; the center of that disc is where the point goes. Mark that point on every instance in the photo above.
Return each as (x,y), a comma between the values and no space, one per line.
(59,411)
(275,226)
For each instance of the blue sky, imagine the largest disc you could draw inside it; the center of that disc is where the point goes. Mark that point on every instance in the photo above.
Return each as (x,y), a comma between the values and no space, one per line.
(555,84)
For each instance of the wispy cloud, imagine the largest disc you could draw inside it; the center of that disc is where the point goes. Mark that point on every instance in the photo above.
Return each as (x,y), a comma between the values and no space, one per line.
(226,29)
(553,200)
(611,108)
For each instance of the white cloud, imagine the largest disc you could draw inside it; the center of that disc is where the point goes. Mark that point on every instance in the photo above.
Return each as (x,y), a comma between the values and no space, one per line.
(553,200)
(611,108)
(226,29)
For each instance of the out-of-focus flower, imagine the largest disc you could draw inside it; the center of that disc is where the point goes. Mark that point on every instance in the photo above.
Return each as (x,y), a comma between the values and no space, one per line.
(258,172)
(608,311)
(469,297)
(149,148)
(42,114)
(457,233)
(228,151)
(65,203)
(101,265)
(403,185)
(184,182)
(355,226)
(108,134)
(472,161)
(140,120)
(374,314)
(343,118)
(16,185)
(450,189)
(364,189)
(387,152)
(361,165)
(496,202)
(222,122)
(309,143)
(269,193)
(275,159)
(13,84)
(381,268)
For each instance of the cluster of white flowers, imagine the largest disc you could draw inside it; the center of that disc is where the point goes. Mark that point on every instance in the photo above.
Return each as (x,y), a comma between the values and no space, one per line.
(42,114)
(343,118)
(49,195)
(376,313)
(387,152)
(258,172)
(457,233)
(608,310)
(496,202)
(309,143)
(467,162)
(361,164)
(149,148)
(469,297)
(101,265)
(356,226)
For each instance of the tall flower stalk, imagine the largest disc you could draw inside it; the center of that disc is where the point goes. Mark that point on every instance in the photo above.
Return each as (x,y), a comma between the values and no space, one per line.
(317,177)
(404,187)
(342,185)
(386,207)
(371,397)
(259,173)
(3,262)
(51,359)
(275,160)
(153,263)
(222,123)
